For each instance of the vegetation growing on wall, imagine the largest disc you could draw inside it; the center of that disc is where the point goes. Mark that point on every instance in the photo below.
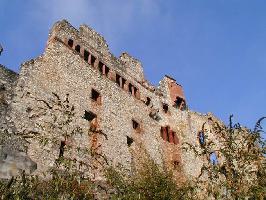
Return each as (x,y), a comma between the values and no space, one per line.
(238,171)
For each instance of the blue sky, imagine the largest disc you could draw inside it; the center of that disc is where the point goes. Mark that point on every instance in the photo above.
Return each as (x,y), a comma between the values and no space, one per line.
(215,49)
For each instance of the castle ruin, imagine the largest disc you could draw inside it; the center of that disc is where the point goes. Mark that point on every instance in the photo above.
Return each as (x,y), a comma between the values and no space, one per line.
(109,95)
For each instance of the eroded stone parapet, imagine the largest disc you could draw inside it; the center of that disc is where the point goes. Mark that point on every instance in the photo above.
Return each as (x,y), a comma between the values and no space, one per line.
(133,66)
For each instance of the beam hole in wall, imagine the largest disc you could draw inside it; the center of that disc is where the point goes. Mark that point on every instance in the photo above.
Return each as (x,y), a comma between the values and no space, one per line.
(176,164)
(135,125)
(86,55)
(70,43)
(129,141)
(148,101)
(89,116)
(95,96)
(165,108)
(62,149)
(77,48)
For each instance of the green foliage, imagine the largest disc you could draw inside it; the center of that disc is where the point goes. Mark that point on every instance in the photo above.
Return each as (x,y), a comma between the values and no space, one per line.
(59,186)
(149,181)
(239,174)
(240,170)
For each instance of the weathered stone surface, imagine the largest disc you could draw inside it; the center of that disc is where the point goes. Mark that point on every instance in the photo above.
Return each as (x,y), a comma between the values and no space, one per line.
(13,164)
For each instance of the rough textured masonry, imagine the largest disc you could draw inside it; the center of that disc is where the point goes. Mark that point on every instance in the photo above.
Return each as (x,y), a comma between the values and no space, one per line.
(117,113)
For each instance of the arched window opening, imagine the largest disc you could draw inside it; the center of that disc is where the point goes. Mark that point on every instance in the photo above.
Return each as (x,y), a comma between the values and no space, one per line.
(213,158)
(201,138)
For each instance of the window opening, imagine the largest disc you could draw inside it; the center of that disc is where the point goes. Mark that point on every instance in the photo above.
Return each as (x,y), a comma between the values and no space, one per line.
(165,107)
(183,106)
(129,141)
(120,81)
(213,158)
(130,88)
(77,48)
(62,149)
(201,138)
(117,79)
(86,55)
(70,43)
(107,70)
(176,140)
(135,125)
(89,116)
(101,67)
(95,96)
(148,101)
(178,102)
(93,59)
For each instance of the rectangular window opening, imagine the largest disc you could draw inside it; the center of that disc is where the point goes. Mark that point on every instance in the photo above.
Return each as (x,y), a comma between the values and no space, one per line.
(89,116)
(130,88)
(86,55)
(123,83)
(135,91)
(165,107)
(117,79)
(107,70)
(100,66)
(77,48)
(148,101)
(70,43)
(95,96)
(93,59)
(178,102)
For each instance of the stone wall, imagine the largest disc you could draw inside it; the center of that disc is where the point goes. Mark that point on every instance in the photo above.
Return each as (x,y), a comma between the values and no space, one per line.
(8,80)
(110,96)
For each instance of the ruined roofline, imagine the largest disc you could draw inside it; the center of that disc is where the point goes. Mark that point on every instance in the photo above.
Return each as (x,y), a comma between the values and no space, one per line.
(7,74)
(7,70)
(93,41)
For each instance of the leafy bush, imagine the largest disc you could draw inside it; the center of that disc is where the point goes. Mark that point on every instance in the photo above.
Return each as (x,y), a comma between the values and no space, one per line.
(149,181)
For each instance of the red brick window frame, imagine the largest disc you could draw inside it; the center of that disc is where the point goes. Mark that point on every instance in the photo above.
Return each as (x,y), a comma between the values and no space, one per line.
(169,135)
